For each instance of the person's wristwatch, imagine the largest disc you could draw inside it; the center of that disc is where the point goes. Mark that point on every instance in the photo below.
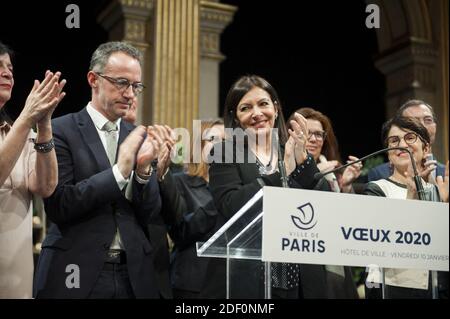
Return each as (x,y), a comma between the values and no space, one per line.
(147,175)
(44,147)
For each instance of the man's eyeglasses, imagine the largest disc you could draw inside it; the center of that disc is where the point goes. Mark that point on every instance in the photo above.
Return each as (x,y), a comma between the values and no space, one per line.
(319,135)
(409,138)
(426,120)
(123,84)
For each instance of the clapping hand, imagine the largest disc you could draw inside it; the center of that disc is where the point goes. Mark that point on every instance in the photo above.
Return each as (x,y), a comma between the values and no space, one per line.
(295,149)
(350,174)
(126,158)
(428,167)
(165,152)
(43,99)
(164,159)
(442,184)
(157,135)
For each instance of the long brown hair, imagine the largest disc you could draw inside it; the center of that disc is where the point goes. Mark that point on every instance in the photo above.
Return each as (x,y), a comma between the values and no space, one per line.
(201,169)
(330,148)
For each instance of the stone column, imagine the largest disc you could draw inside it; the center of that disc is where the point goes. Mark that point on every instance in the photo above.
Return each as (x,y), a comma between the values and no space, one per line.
(413,47)
(176,62)
(409,73)
(214,18)
(441,27)
(131,21)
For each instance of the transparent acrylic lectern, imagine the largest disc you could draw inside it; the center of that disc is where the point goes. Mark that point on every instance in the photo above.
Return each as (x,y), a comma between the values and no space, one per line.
(239,242)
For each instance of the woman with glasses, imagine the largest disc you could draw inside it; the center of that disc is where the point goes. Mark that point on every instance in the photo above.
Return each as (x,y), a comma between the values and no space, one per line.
(411,134)
(188,208)
(27,167)
(323,146)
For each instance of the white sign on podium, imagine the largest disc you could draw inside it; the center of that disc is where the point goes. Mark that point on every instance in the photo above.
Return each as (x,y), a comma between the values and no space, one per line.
(312,227)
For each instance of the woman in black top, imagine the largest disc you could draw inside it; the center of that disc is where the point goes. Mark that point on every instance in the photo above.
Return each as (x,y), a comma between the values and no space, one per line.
(252,104)
(188,208)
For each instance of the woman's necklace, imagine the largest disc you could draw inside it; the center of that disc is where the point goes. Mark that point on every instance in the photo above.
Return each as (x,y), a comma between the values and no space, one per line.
(265,169)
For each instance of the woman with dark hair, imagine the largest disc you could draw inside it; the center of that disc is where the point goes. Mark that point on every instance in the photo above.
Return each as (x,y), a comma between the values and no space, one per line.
(189,211)
(323,146)
(411,134)
(252,104)
(27,166)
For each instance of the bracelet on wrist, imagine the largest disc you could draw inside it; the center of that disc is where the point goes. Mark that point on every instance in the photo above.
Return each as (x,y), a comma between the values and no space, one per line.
(44,147)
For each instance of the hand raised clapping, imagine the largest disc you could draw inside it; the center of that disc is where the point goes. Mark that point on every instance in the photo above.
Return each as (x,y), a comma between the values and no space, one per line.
(141,147)
(164,159)
(295,149)
(157,136)
(442,184)
(350,174)
(43,99)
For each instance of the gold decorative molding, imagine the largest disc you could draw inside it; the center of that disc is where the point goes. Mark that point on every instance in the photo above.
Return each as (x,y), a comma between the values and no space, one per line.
(135,30)
(141,4)
(215,5)
(214,18)
(128,20)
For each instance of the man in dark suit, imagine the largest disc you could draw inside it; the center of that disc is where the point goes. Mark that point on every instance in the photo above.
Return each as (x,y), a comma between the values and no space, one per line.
(425,114)
(107,192)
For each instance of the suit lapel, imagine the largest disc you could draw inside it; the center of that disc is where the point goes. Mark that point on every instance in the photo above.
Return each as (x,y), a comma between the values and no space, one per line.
(92,139)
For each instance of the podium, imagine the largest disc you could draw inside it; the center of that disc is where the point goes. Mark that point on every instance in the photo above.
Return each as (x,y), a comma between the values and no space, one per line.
(325,228)
(239,241)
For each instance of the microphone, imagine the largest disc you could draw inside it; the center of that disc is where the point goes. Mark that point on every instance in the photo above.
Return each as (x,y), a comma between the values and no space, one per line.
(417,179)
(281,167)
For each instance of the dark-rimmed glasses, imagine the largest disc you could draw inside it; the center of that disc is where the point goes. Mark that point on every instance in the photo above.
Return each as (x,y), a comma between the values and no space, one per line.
(123,84)
(319,135)
(409,138)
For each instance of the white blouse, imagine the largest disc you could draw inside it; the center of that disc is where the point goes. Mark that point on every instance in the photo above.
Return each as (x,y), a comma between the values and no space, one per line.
(16,227)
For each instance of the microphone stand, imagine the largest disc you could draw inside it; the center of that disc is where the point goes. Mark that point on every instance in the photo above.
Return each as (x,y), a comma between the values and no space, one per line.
(284,184)
(416,177)
(281,166)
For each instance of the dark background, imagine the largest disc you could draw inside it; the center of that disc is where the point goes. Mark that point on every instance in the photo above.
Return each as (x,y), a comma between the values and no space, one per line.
(315,53)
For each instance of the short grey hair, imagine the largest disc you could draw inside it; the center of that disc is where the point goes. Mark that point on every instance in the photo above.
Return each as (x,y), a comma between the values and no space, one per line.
(103,52)
(411,103)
